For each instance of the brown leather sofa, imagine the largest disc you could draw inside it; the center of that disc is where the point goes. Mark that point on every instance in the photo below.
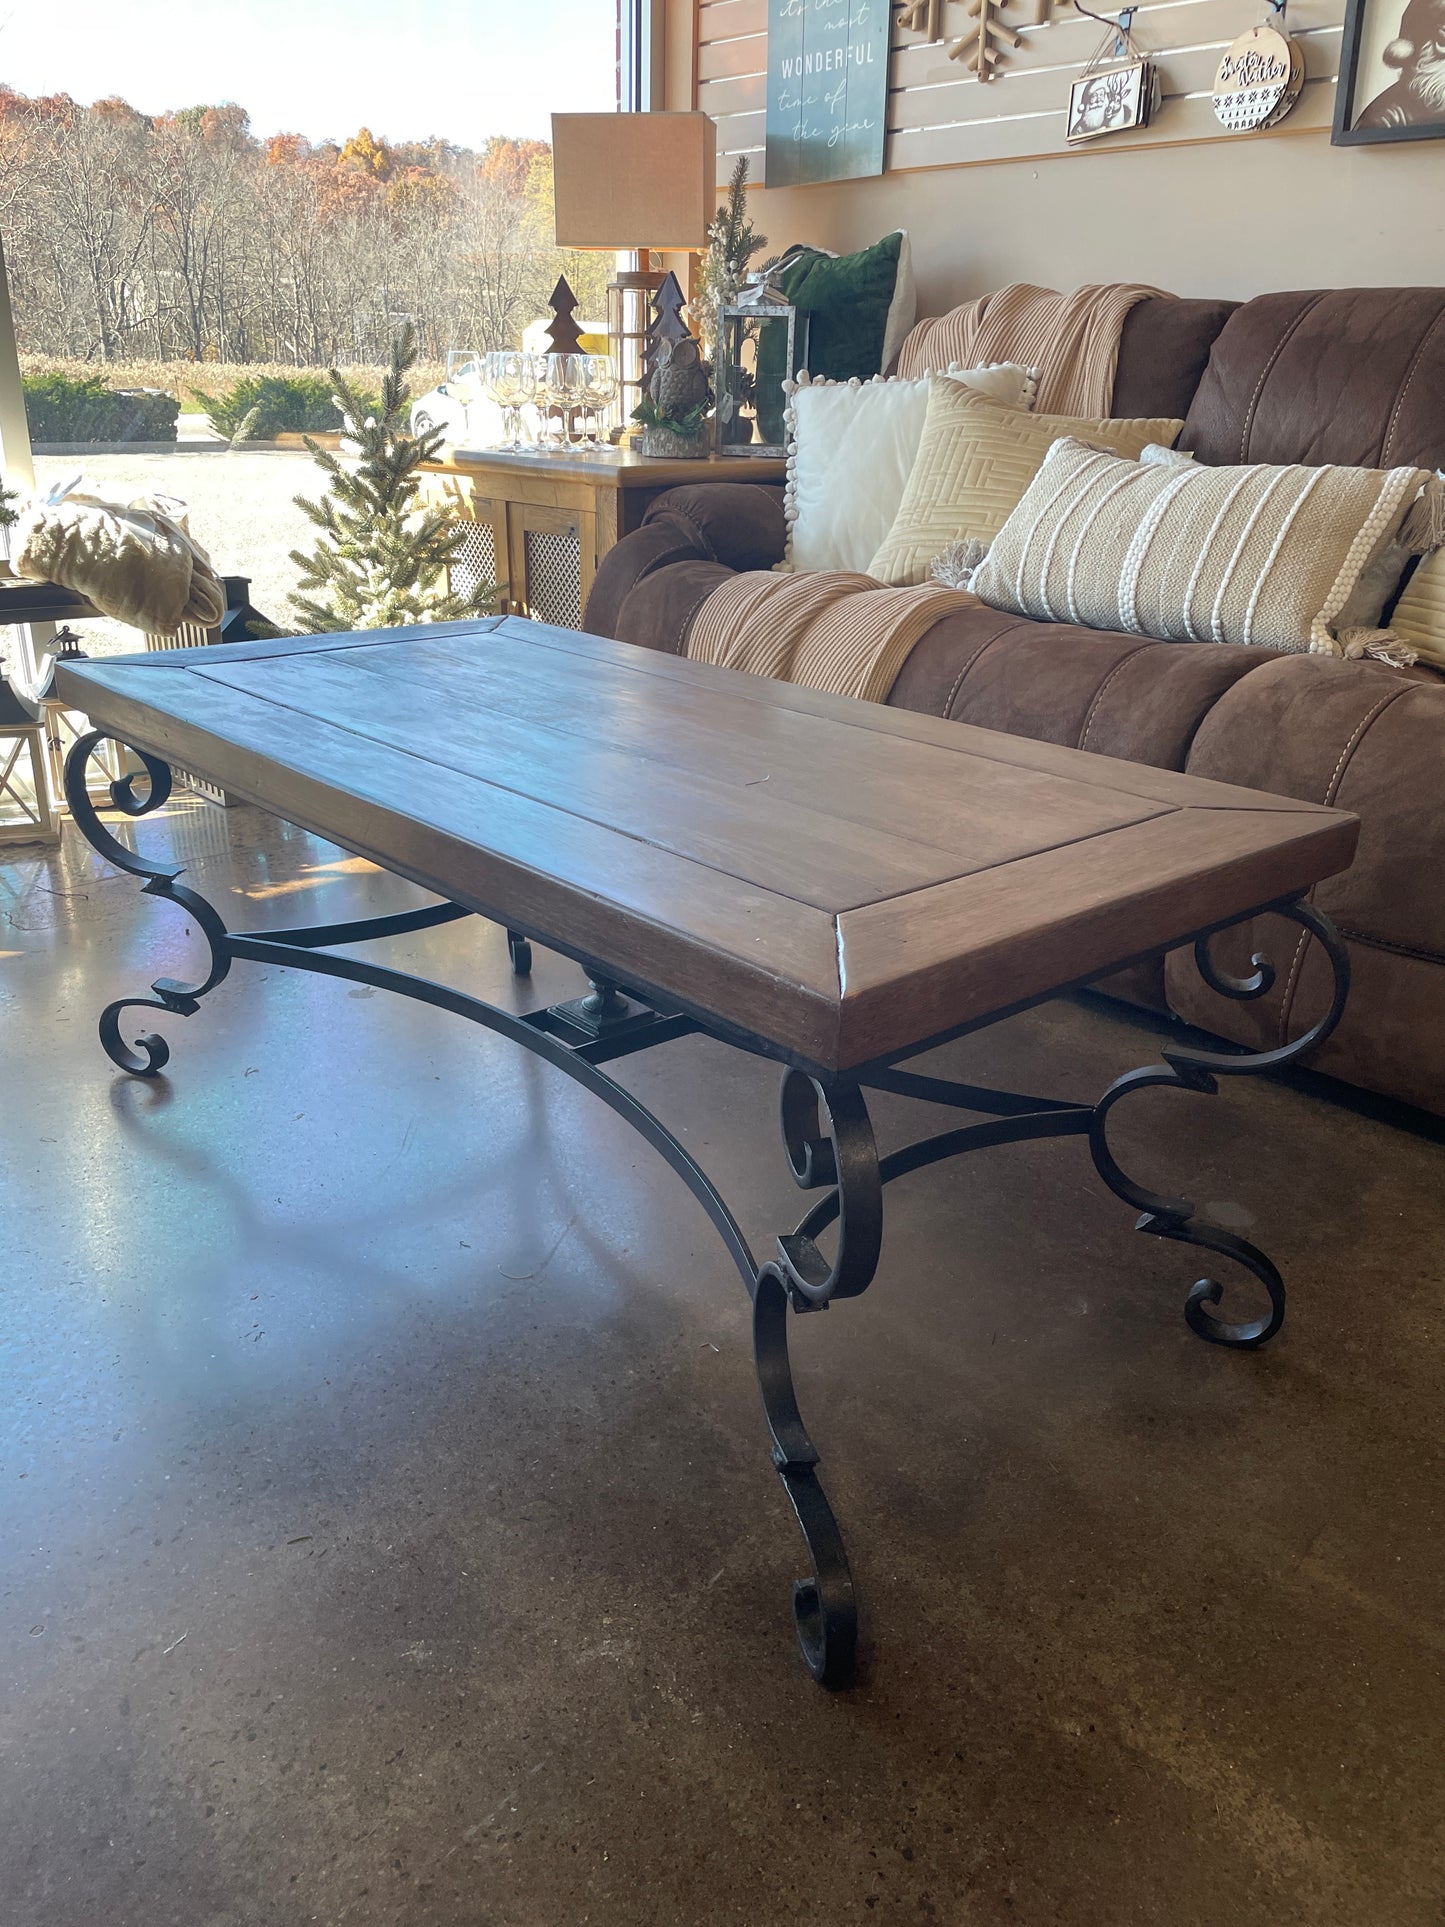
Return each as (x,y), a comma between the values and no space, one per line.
(1354,376)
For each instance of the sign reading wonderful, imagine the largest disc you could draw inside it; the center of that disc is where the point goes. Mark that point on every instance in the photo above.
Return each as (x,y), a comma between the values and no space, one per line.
(827,90)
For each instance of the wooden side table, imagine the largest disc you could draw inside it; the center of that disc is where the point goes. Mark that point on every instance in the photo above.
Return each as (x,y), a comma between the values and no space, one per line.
(542,522)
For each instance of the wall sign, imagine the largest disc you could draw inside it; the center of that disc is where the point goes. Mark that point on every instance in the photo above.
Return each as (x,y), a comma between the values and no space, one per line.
(827,90)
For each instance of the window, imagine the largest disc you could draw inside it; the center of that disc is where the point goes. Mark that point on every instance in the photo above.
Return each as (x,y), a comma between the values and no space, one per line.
(183,215)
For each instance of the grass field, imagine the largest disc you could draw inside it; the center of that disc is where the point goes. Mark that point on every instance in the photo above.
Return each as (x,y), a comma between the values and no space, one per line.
(211,378)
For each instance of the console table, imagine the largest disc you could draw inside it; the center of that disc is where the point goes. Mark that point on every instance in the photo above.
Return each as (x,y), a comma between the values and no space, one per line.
(542,522)
(831,884)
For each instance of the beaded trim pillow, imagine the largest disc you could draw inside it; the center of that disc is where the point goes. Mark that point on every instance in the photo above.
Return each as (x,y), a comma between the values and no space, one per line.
(851,448)
(1188,553)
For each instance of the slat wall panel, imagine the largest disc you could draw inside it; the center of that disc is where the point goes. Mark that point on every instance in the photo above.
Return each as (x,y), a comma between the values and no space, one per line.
(939,116)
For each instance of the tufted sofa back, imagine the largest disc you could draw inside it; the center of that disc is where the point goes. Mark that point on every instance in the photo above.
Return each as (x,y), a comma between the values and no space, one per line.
(1352,375)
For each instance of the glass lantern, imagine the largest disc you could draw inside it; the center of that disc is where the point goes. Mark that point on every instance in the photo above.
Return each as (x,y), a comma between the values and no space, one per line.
(629,315)
(762,341)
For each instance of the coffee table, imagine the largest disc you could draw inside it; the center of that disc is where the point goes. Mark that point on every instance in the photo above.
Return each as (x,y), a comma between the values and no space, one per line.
(831,884)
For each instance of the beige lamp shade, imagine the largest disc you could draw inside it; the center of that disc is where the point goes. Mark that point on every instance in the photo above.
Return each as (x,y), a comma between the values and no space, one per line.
(634,180)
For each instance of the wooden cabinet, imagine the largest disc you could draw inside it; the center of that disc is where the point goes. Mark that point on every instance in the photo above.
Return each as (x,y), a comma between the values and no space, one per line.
(541,523)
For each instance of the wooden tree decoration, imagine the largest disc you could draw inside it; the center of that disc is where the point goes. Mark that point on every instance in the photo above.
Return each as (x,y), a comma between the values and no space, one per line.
(667,323)
(979,44)
(564,337)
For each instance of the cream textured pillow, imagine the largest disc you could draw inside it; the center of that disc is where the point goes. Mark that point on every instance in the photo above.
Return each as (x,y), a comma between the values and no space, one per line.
(1194,554)
(1419,617)
(851,446)
(975,460)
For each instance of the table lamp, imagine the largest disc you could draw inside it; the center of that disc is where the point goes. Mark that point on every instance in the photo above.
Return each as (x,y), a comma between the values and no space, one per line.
(638,183)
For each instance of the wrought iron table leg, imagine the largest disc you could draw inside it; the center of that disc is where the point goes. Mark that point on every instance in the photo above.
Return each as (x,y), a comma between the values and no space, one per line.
(1191,1069)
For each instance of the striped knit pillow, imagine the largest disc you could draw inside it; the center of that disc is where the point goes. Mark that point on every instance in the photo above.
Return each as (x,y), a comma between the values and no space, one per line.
(1186,553)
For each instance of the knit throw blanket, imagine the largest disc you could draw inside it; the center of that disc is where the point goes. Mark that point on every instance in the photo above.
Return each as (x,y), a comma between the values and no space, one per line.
(1072,339)
(825,629)
(136,562)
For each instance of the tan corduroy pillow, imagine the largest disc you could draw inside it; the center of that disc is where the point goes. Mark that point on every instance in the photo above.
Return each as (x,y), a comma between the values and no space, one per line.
(1419,617)
(974,462)
(1261,555)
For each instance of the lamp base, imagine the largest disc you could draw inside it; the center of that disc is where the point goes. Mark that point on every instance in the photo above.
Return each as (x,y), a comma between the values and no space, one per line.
(629,316)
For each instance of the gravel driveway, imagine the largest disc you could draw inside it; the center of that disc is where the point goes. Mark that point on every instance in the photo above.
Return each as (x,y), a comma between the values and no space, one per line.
(242,513)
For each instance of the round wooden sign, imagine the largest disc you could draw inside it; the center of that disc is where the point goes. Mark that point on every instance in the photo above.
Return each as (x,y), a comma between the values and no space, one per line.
(1258,81)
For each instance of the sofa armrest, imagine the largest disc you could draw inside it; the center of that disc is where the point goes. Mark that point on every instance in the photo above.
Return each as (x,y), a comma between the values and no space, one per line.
(739,524)
(721,526)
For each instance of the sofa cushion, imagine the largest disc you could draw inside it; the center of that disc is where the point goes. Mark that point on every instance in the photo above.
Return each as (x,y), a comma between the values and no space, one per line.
(1355,376)
(1163,350)
(1084,688)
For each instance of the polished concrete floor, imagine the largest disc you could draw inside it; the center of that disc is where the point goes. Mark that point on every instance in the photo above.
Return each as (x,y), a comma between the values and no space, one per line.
(389,1536)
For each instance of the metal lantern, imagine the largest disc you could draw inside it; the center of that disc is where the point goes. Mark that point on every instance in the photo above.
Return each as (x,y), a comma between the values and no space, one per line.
(762,342)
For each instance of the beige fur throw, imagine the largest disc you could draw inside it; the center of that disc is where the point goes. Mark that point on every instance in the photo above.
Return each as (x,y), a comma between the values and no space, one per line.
(137,563)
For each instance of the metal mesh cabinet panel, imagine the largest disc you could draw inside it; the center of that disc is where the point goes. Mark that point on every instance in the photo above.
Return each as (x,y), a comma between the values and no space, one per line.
(554,576)
(475,563)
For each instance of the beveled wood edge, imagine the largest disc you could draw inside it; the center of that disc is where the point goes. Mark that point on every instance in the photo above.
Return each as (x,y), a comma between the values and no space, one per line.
(1043,910)
(627,470)
(804,1018)
(258,648)
(1176,787)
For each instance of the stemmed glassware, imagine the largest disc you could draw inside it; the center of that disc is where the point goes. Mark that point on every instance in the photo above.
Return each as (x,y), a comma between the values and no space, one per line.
(561,384)
(511,382)
(599,387)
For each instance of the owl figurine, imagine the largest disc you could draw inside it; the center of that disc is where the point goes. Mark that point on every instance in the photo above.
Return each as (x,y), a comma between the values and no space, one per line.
(679,381)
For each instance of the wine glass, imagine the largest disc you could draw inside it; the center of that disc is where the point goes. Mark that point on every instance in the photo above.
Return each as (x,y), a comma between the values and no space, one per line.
(561,385)
(465,377)
(599,386)
(511,382)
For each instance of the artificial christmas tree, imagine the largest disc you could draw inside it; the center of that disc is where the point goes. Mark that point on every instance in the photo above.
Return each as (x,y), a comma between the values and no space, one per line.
(381,562)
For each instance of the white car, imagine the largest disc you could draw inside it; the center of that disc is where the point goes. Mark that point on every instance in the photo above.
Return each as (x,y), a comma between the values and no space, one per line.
(441,407)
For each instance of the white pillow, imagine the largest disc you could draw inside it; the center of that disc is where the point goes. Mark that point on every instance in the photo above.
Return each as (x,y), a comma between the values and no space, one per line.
(851,448)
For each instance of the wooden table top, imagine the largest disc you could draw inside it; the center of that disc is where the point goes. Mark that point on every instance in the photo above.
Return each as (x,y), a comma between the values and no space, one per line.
(619,468)
(838,879)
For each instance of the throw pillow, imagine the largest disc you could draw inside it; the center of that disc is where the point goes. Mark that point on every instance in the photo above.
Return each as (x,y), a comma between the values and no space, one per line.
(851,446)
(975,459)
(859,310)
(1253,554)
(1419,617)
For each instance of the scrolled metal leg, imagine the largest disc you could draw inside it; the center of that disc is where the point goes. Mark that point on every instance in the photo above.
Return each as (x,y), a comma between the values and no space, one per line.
(1192,1069)
(151,1053)
(846,1158)
(829,1142)
(825,1609)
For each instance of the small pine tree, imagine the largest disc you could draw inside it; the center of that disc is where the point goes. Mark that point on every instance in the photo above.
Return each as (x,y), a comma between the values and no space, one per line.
(382,558)
(732,241)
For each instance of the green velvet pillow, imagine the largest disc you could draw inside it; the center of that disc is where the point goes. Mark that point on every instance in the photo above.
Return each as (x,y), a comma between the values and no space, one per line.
(846,298)
(849,300)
